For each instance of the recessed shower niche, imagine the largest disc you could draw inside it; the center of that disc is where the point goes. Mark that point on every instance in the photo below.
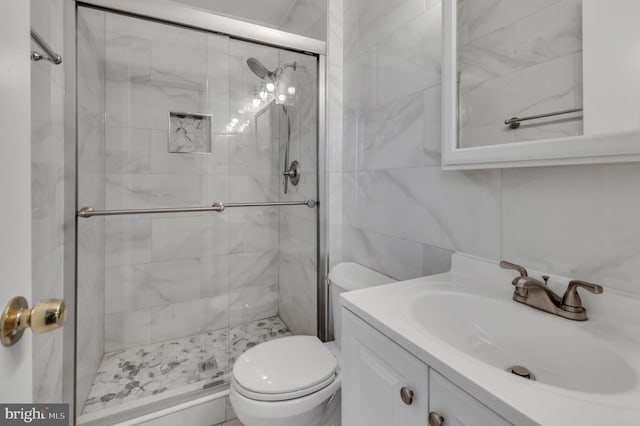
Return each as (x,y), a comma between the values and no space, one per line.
(189,132)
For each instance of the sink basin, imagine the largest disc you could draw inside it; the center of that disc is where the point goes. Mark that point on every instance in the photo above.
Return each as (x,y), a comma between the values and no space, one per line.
(503,334)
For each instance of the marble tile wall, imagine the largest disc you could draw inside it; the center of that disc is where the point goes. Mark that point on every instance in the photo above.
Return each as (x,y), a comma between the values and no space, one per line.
(298,225)
(47,170)
(178,275)
(403,215)
(307,18)
(519,58)
(91,183)
(335,93)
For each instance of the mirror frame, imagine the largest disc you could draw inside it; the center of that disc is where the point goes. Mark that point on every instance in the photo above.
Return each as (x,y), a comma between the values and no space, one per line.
(593,149)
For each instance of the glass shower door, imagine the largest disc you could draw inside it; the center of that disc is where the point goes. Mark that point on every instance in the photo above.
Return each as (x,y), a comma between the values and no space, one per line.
(171,117)
(153,296)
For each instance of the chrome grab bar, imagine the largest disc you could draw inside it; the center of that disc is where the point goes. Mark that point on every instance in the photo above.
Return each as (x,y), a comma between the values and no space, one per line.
(86,212)
(514,122)
(52,56)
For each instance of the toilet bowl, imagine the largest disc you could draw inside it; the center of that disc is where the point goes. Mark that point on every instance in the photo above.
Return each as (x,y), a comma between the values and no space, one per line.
(295,381)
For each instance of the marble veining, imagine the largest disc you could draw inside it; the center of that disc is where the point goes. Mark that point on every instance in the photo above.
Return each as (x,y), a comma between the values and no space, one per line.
(204,359)
(524,61)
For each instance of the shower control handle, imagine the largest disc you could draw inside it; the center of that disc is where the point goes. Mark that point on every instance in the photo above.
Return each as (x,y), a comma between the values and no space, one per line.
(292,174)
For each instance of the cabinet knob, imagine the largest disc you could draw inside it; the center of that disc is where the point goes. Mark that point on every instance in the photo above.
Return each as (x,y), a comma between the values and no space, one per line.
(407,395)
(435,419)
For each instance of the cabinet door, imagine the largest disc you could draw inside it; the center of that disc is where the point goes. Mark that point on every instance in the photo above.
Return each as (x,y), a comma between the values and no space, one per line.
(375,370)
(457,407)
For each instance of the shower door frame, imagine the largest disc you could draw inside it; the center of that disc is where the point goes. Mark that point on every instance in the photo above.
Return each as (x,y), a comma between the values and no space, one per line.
(182,15)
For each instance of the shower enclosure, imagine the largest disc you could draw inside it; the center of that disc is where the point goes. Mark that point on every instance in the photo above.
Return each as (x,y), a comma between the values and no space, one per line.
(197,228)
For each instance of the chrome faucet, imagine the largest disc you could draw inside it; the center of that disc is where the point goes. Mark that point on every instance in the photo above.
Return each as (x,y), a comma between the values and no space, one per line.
(535,293)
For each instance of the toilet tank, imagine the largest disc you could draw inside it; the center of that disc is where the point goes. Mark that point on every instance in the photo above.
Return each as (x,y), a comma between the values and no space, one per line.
(349,276)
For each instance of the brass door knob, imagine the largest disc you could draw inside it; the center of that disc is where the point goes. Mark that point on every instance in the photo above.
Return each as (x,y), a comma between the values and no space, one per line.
(47,315)
(407,395)
(435,419)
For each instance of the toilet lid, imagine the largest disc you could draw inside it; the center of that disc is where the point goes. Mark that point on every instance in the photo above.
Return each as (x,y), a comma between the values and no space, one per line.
(285,366)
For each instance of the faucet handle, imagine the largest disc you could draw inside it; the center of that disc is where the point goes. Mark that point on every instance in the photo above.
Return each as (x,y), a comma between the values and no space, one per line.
(509,265)
(571,298)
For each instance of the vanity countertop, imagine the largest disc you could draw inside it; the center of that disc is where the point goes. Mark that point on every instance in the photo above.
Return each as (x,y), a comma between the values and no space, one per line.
(613,328)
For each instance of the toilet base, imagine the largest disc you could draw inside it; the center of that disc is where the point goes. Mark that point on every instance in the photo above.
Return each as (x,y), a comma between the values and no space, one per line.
(320,409)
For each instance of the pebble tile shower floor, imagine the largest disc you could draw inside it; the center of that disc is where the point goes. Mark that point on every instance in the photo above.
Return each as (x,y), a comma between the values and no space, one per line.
(135,373)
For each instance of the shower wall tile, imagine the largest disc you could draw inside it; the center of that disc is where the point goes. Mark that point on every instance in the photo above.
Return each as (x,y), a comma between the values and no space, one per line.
(127,58)
(298,273)
(153,284)
(164,162)
(127,150)
(217,163)
(255,229)
(128,191)
(259,188)
(252,303)
(181,274)
(217,312)
(218,239)
(178,66)
(215,277)
(127,241)
(253,270)
(176,238)
(147,106)
(127,329)
(178,320)
(90,319)
(247,155)
(150,30)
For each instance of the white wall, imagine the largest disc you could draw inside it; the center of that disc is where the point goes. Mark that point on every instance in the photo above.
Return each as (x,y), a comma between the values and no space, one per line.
(403,215)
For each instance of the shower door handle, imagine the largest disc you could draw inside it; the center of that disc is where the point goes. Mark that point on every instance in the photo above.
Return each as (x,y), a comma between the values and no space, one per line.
(47,315)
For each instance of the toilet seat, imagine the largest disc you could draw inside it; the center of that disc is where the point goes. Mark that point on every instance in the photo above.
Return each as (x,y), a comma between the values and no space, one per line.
(284,369)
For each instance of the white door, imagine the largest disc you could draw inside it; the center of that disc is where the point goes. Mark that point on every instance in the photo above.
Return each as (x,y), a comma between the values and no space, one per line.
(15,190)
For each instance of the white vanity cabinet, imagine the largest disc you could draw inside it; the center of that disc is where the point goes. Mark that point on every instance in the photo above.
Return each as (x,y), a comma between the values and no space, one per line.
(384,385)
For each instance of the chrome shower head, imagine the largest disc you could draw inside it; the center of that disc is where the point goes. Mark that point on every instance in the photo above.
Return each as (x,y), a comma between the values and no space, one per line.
(263,72)
(258,69)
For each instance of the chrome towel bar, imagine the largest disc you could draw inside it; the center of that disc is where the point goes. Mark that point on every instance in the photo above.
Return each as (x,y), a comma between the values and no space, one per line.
(514,122)
(86,212)
(51,55)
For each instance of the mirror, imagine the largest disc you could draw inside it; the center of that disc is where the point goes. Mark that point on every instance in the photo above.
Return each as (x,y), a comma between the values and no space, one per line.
(536,82)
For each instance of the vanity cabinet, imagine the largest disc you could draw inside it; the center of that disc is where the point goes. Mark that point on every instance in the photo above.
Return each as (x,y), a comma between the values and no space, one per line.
(457,407)
(384,385)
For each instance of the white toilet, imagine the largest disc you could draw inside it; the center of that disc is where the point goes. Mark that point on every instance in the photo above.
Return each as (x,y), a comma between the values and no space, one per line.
(295,381)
